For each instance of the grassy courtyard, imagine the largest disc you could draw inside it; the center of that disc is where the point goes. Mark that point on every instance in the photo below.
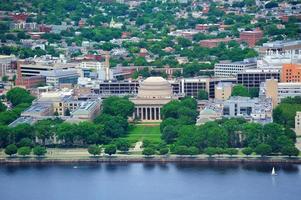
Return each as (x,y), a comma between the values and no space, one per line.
(144,132)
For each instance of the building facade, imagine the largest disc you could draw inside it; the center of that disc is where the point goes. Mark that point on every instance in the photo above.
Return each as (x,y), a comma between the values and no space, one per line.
(251,37)
(291,73)
(228,69)
(153,94)
(252,78)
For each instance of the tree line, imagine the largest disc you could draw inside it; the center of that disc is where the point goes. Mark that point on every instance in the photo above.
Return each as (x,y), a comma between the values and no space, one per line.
(222,136)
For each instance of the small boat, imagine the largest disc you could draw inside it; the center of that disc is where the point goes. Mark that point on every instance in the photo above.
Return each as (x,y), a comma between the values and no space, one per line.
(74,167)
(274,172)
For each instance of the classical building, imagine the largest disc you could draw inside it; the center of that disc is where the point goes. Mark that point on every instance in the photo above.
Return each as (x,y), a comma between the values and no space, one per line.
(153,94)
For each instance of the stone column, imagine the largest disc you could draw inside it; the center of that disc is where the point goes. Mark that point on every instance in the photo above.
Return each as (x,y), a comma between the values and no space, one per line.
(159,113)
(155,113)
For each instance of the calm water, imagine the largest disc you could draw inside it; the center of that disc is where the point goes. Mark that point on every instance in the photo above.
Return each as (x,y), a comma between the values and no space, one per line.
(149,182)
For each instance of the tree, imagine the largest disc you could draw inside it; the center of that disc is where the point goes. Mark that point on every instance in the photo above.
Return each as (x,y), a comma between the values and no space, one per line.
(263,149)
(121,106)
(2,107)
(169,134)
(290,150)
(163,151)
(247,151)
(210,151)
(203,95)
(123,145)
(11,149)
(240,90)
(110,149)
(231,151)
(19,95)
(148,151)
(94,150)
(192,151)
(24,151)
(67,112)
(25,142)
(39,151)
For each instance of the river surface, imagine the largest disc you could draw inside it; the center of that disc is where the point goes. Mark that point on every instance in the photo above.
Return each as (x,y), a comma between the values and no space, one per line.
(150,182)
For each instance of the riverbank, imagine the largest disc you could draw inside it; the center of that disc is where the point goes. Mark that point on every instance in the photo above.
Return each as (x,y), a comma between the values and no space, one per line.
(153,159)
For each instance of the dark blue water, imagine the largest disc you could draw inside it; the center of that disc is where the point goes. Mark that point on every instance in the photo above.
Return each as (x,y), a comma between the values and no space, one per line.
(150,182)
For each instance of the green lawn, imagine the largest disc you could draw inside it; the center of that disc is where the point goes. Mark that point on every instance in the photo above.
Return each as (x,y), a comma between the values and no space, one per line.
(140,132)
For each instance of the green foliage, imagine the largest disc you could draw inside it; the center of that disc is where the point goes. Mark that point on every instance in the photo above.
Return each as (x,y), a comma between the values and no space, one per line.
(2,107)
(24,151)
(169,134)
(203,95)
(210,151)
(11,149)
(39,151)
(19,95)
(148,151)
(263,149)
(240,90)
(123,145)
(94,150)
(110,149)
(163,151)
(25,142)
(290,150)
(285,112)
(247,151)
(231,151)
(118,106)
(114,126)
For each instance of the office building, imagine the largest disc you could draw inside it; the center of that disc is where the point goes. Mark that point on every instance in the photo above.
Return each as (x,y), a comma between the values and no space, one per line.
(223,91)
(278,91)
(252,78)
(230,69)
(60,76)
(291,73)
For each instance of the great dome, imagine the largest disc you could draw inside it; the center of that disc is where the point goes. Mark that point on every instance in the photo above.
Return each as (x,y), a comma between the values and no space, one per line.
(155,88)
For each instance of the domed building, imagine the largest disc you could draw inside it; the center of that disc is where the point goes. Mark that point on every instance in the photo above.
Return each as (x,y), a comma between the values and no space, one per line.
(153,93)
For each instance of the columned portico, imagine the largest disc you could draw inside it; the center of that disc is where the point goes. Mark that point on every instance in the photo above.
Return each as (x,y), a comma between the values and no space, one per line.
(147,113)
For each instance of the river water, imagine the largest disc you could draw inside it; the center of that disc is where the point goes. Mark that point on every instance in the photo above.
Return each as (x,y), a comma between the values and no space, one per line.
(150,182)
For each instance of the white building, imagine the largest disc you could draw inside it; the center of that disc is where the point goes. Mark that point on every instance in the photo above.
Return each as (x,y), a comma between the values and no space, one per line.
(230,69)
(278,91)
(61,76)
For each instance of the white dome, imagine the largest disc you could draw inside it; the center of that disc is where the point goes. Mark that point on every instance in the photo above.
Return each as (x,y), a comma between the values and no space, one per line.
(155,88)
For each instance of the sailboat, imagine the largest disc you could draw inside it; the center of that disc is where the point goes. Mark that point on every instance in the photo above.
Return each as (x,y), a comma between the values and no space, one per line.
(273,172)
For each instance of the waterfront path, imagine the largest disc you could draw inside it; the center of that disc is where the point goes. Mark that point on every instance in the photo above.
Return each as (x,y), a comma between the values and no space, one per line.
(81,154)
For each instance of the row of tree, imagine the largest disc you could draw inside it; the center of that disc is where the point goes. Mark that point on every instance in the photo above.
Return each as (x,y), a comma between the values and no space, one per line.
(179,130)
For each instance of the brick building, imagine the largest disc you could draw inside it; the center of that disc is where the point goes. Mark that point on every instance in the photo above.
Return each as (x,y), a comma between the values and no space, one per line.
(251,37)
(291,73)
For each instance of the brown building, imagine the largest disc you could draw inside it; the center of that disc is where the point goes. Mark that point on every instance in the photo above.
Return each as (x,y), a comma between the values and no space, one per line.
(251,37)
(211,43)
(291,73)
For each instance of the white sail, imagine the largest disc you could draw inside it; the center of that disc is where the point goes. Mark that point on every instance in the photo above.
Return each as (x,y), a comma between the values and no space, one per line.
(273,171)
